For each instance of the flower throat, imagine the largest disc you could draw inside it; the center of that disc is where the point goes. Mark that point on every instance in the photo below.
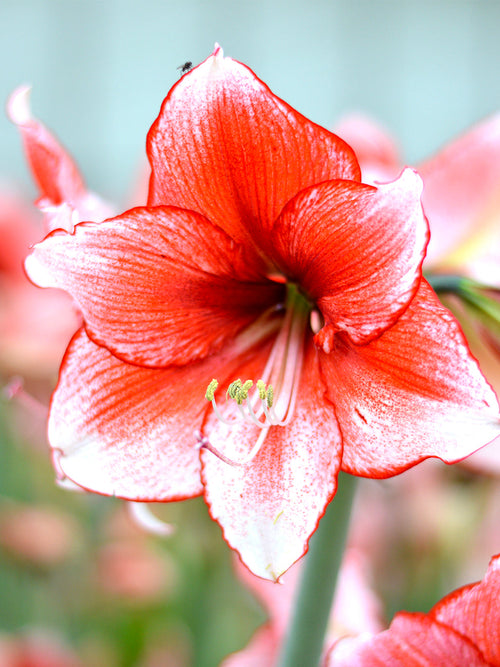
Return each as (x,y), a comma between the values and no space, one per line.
(270,401)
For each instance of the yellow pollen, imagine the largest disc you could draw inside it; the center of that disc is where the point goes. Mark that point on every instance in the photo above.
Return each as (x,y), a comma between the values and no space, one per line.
(209,394)
(261,388)
(233,388)
(266,393)
(270,396)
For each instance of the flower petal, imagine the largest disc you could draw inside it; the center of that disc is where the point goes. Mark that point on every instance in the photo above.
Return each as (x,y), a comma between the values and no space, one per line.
(413,640)
(474,611)
(53,169)
(156,285)
(269,508)
(356,250)
(124,430)
(461,183)
(224,145)
(130,431)
(413,393)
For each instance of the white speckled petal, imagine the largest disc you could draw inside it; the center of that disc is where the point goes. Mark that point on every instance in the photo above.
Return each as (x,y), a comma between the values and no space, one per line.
(269,508)
(413,393)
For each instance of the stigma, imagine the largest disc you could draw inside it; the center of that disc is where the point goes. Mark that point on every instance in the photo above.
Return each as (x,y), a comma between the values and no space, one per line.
(270,401)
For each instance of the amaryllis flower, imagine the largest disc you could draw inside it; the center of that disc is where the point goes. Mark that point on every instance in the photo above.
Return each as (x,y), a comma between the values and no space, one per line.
(462,629)
(265,276)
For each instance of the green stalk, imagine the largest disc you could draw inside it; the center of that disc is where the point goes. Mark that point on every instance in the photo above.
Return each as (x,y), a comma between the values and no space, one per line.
(306,632)
(446,283)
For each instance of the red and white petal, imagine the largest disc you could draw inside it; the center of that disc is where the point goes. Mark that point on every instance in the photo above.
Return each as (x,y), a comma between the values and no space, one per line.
(462,183)
(224,145)
(125,430)
(413,393)
(269,507)
(413,640)
(130,431)
(155,285)
(356,251)
(474,611)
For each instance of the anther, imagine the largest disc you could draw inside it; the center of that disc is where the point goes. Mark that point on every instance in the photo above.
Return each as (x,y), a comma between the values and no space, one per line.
(270,396)
(209,394)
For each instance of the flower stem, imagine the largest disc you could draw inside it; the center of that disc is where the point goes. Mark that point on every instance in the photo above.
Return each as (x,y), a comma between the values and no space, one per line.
(306,632)
(447,283)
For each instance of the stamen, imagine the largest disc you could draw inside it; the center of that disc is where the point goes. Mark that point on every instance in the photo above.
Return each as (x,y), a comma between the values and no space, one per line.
(274,396)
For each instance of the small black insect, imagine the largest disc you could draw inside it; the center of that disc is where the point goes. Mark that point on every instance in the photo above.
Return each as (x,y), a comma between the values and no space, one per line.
(185,67)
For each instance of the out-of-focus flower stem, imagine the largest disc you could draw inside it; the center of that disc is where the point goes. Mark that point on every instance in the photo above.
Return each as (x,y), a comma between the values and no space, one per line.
(306,632)
(446,283)
(484,300)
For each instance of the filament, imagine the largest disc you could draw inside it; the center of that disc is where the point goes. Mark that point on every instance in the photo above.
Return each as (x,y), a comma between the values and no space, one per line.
(271,401)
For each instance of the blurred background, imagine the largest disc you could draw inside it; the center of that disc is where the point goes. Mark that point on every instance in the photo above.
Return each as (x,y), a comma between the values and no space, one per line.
(424,68)
(77,577)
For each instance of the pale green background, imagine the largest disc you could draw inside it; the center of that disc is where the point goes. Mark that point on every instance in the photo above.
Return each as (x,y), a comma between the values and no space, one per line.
(99,69)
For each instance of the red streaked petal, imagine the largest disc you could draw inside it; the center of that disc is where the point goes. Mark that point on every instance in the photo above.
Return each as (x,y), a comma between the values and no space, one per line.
(156,285)
(474,611)
(413,393)
(125,430)
(413,640)
(224,145)
(461,183)
(269,508)
(356,250)
(130,431)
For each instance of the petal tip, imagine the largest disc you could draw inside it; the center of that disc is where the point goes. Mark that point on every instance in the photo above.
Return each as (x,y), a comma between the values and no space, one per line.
(18,105)
(411,177)
(218,51)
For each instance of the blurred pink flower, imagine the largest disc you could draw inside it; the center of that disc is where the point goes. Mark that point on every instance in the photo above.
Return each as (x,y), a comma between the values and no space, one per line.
(36,649)
(35,326)
(40,536)
(64,198)
(356,609)
(461,195)
(129,567)
(133,572)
